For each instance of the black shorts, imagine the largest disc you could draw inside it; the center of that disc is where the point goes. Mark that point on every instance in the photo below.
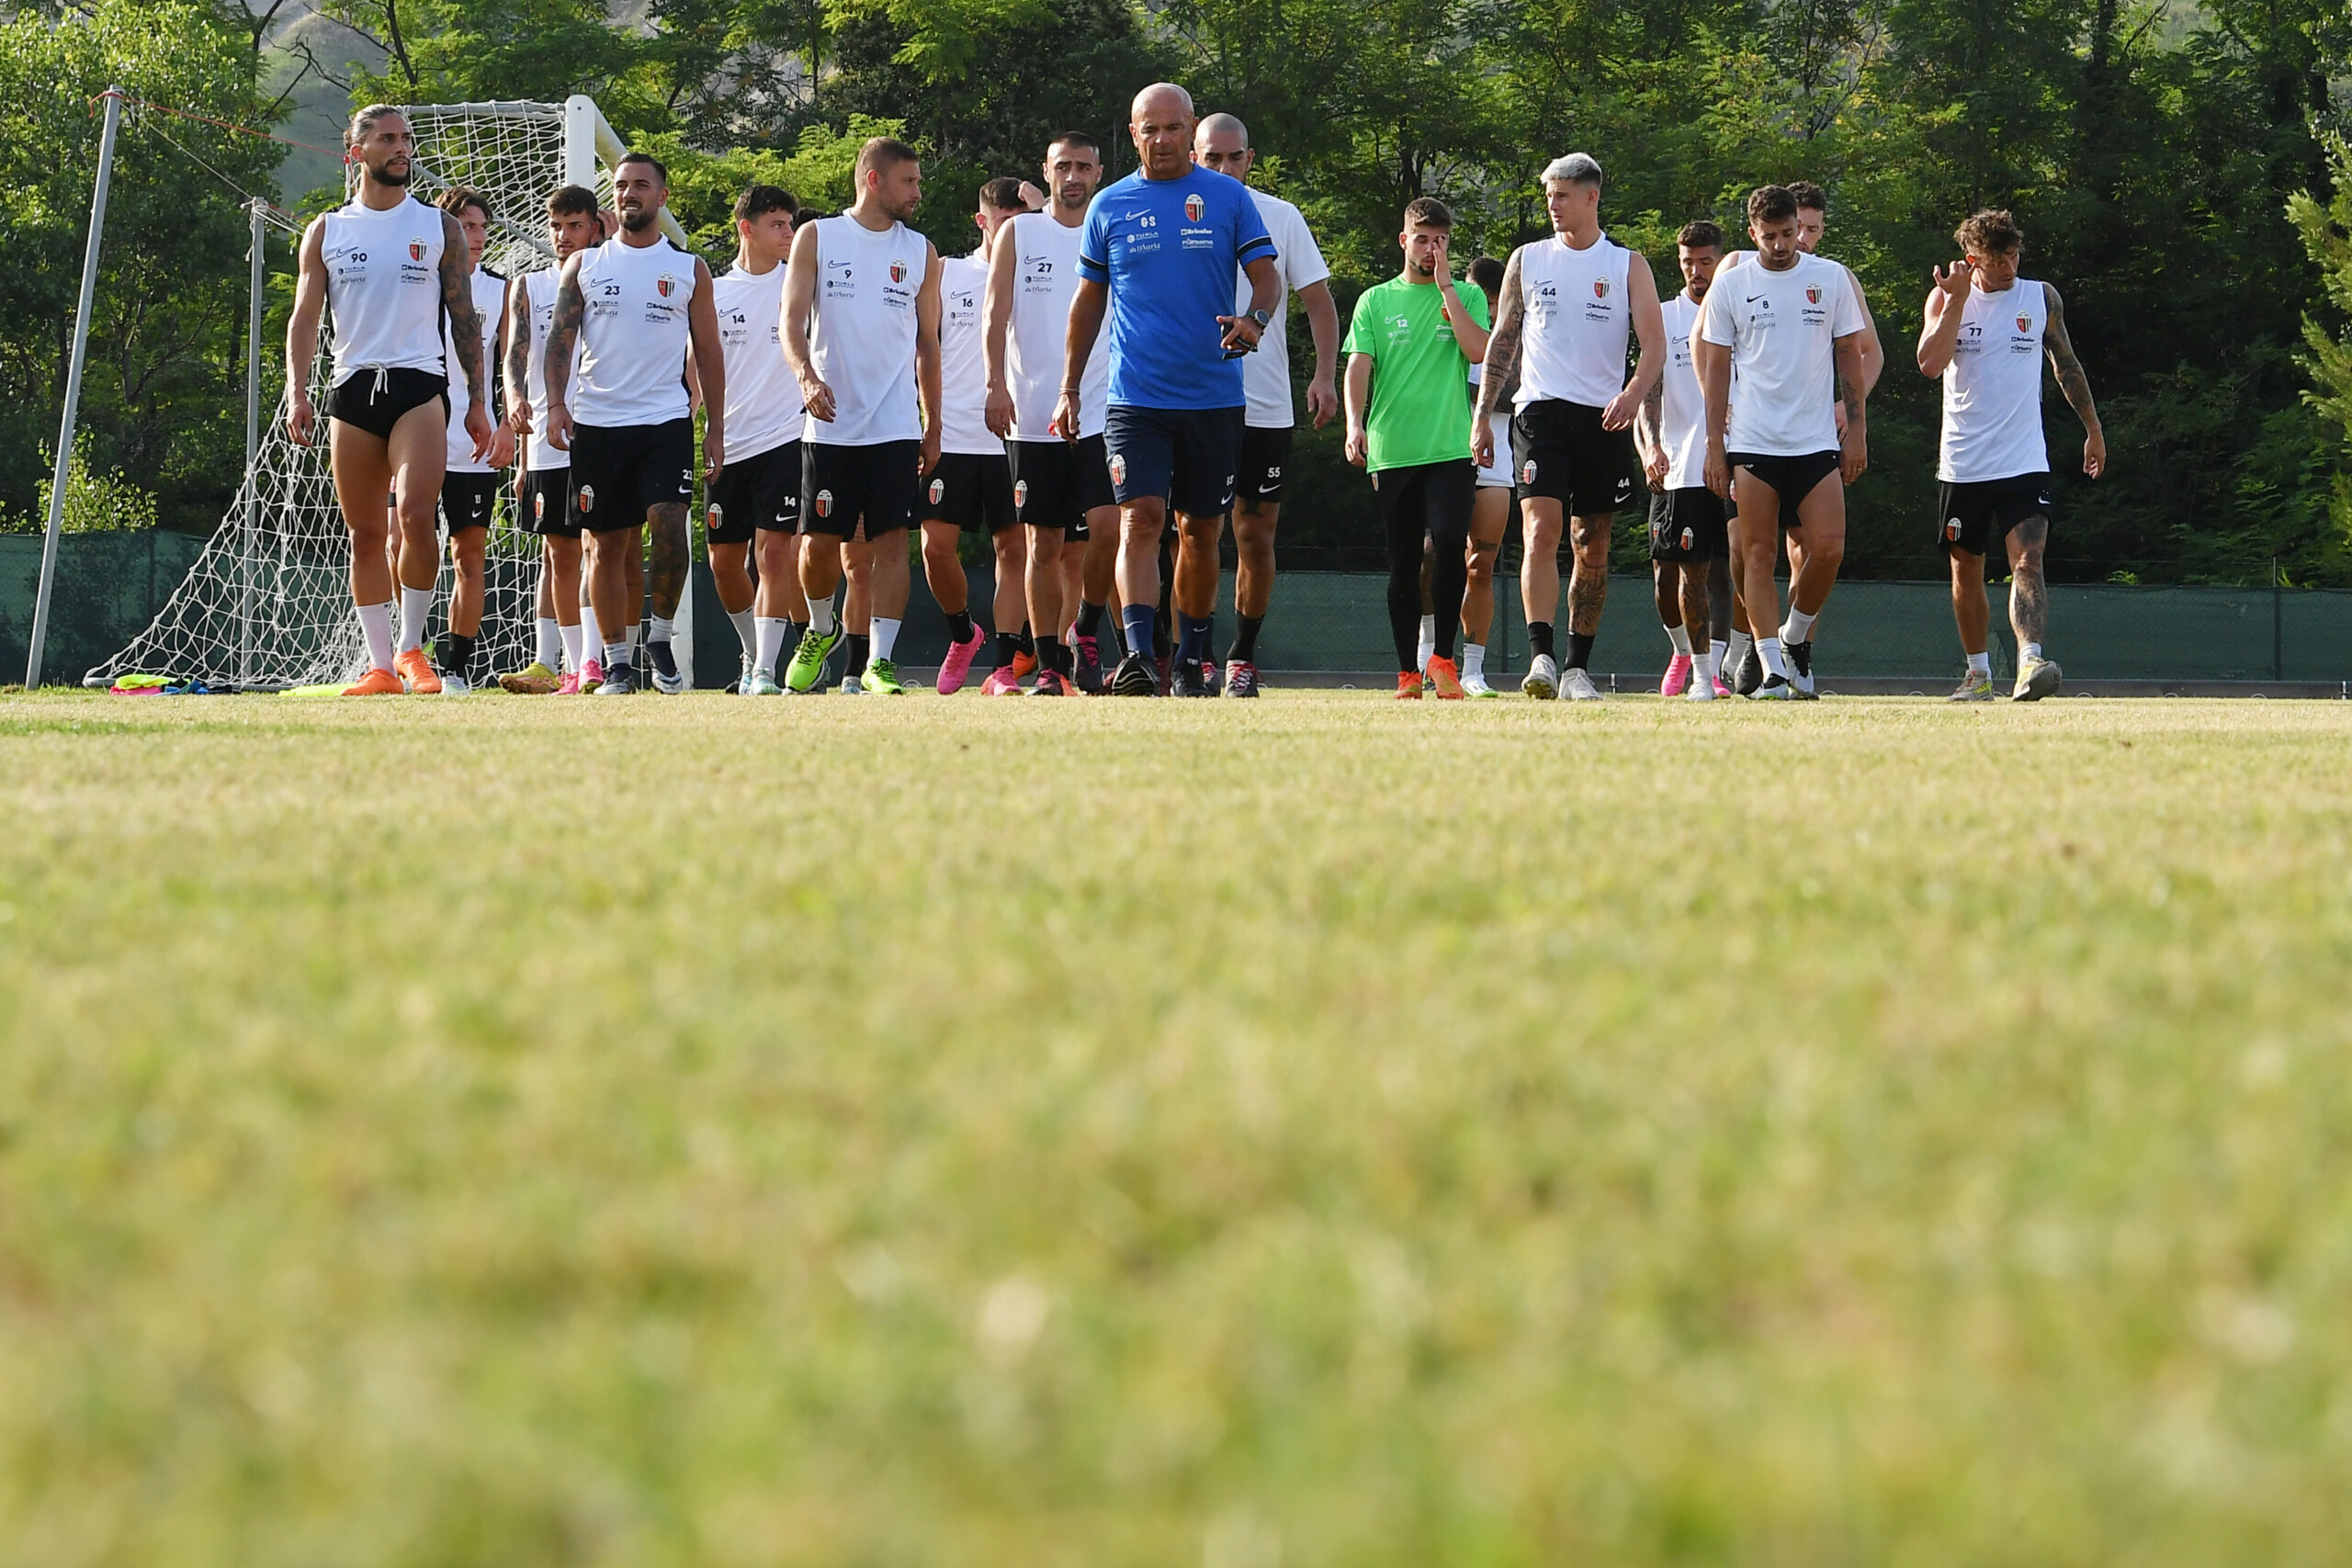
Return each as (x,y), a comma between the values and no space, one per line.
(1791,478)
(1429,498)
(546,503)
(1265,454)
(1975,515)
(467,500)
(762,490)
(1564,455)
(1688,525)
(374,400)
(1057,483)
(620,472)
(1187,457)
(970,490)
(840,486)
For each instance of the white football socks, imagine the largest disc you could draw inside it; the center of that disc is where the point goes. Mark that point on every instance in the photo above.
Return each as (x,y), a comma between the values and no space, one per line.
(746,630)
(768,646)
(591,635)
(375,625)
(2031,650)
(664,628)
(821,617)
(1709,662)
(1768,649)
(550,641)
(886,637)
(416,607)
(1798,627)
(1737,648)
(1980,664)
(1473,660)
(1680,637)
(616,656)
(1429,641)
(575,647)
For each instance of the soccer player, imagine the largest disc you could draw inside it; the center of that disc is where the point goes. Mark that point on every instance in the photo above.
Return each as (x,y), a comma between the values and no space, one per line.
(469,484)
(1222,142)
(755,503)
(1410,345)
(1768,340)
(388,267)
(1985,331)
(972,487)
(861,332)
(1061,488)
(1157,262)
(544,487)
(1490,516)
(1569,304)
(633,305)
(1689,544)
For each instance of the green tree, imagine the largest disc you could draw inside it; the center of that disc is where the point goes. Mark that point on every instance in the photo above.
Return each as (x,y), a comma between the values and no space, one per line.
(2326,230)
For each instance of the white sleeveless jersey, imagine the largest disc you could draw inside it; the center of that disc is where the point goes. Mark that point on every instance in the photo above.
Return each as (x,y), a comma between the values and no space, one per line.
(963,370)
(763,399)
(1993,388)
(1044,279)
(490,304)
(538,289)
(383,286)
(633,334)
(1573,347)
(863,345)
(1683,411)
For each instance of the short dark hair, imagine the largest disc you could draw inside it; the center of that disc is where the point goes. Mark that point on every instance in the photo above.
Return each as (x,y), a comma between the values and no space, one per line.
(1074,138)
(808,215)
(1992,232)
(1810,197)
(1487,274)
(883,152)
(1003,194)
(660,170)
(1771,204)
(572,201)
(758,201)
(457,199)
(1701,233)
(1427,212)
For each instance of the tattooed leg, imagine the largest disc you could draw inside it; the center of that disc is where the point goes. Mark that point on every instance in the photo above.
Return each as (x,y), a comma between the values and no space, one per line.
(2029,592)
(671,557)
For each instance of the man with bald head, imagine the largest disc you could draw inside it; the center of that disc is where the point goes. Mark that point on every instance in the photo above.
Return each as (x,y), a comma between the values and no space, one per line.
(1222,143)
(1157,261)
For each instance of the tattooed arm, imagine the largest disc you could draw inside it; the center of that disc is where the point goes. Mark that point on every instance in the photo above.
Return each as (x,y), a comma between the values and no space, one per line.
(564,333)
(1500,378)
(465,329)
(1649,436)
(520,330)
(2073,382)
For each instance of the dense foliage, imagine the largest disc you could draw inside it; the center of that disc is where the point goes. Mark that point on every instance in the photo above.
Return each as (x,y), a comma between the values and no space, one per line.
(2150,151)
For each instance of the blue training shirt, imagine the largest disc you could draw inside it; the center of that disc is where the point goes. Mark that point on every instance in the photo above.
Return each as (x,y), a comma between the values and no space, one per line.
(1168,249)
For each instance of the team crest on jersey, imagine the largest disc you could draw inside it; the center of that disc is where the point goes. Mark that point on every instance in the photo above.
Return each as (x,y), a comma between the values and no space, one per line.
(1019,493)
(897,272)
(1118,468)
(1601,289)
(824,503)
(1813,295)
(416,250)
(2025,324)
(664,284)
(587,498)
(1527,472)
(938,491)
(1194,208)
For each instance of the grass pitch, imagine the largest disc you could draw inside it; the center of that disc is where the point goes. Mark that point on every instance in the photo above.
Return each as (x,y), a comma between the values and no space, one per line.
(1317,1132)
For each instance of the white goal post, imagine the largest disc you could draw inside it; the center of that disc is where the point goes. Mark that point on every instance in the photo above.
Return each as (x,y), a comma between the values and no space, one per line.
(268,604)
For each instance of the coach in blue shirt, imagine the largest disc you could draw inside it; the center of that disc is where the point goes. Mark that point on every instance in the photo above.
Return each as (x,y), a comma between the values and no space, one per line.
(1159,255)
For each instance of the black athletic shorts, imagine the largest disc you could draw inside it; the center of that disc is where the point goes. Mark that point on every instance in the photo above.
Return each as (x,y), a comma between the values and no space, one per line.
(1688,525)
(467,500)
(1429,498)
(619,472)
(970,490)
(1187,457)
(374,400)
(1974,515)
(546,503)
(762,490)
(1564,455)
(1057,483)
(1265,454)
(1791,478)
(840,486)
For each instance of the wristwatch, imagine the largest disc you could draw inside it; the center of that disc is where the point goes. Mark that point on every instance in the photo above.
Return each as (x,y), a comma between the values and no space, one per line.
(1261,318)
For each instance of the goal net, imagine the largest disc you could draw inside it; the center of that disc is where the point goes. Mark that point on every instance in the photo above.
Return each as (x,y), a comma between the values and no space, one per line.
(268,604)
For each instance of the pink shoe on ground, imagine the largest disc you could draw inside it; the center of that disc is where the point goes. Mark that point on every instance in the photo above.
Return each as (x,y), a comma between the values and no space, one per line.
(958,666)
(570,685)
(1004,681)
(1677,676)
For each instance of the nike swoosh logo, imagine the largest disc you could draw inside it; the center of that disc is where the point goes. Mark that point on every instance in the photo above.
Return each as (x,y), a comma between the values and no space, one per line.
(1754,298)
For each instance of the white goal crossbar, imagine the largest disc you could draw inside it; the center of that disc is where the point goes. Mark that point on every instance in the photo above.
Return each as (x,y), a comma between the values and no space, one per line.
(268,604)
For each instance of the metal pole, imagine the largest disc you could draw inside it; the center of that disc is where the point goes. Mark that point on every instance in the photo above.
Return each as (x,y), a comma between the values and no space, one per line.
(253,210)
(73,389)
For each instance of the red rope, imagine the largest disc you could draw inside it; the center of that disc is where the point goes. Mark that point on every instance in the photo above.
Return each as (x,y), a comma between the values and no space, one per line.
(334,153)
